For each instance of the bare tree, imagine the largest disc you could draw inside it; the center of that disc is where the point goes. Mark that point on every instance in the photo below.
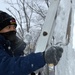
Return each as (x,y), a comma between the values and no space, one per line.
(28,13)
(22,16)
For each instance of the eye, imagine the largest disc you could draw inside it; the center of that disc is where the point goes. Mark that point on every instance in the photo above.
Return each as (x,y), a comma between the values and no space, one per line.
(8,27)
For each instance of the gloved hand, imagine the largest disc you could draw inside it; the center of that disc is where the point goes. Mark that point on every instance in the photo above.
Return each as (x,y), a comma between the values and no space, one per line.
(53,55)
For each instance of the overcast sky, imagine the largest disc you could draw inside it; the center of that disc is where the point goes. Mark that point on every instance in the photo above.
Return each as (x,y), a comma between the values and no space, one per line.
(3,6)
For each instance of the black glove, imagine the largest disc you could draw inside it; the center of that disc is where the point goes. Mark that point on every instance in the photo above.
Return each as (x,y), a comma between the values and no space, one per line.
(53,55)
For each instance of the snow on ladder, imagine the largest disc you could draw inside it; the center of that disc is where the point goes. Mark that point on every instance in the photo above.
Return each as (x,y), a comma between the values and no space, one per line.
(48,27)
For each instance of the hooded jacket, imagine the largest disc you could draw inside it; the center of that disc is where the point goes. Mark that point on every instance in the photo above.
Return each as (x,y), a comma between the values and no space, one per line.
(14,64)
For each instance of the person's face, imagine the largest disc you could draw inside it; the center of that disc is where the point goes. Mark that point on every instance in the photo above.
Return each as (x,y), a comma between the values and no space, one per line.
(9,32)
(8,28)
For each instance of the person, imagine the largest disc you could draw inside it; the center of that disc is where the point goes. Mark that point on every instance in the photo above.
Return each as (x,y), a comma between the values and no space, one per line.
(12,59)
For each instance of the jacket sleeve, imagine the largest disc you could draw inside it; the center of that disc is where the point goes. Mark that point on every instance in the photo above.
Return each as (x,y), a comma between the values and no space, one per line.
(20,65)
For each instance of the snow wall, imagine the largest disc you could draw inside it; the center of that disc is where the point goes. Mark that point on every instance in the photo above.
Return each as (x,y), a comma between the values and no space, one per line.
(66,65)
